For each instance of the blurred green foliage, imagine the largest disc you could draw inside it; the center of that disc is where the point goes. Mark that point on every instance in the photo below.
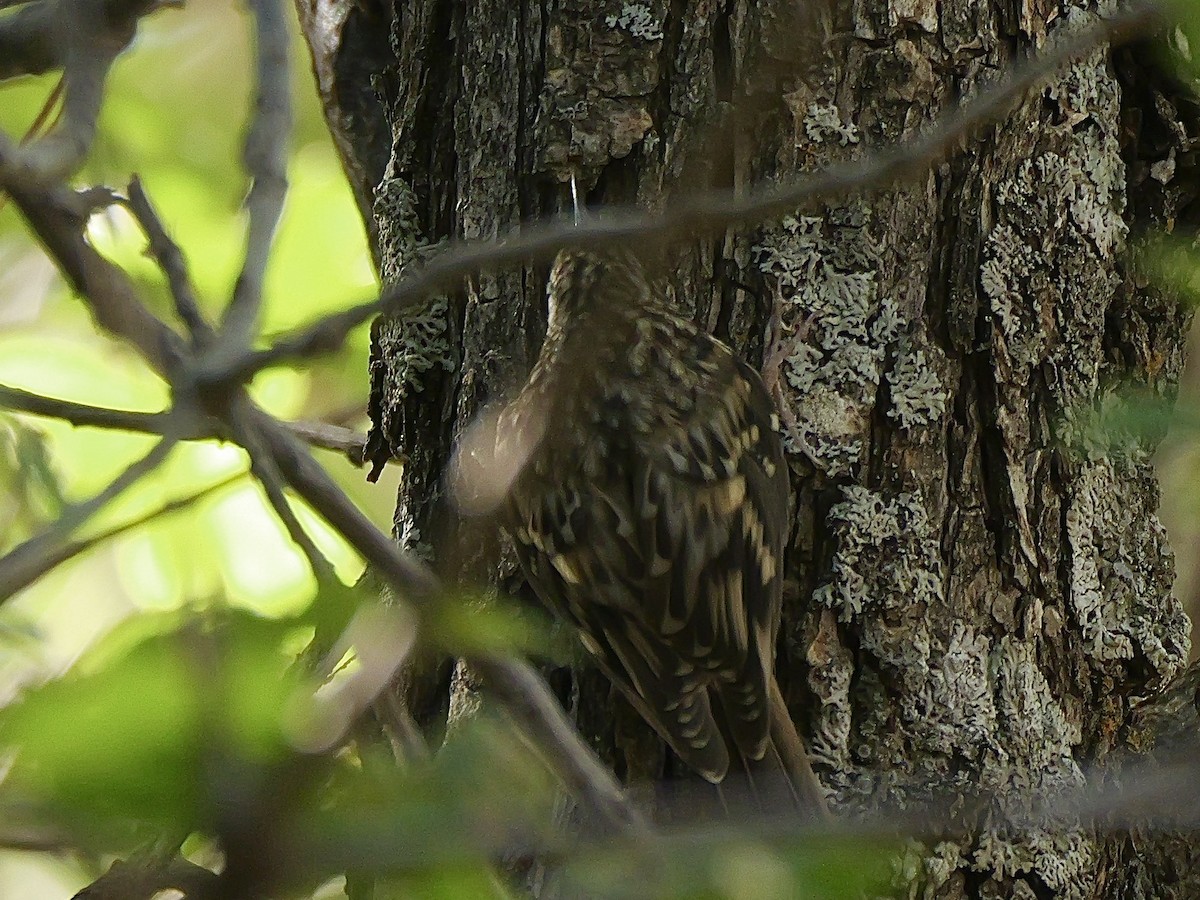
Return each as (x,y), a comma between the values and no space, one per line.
(192,724)
(183,724)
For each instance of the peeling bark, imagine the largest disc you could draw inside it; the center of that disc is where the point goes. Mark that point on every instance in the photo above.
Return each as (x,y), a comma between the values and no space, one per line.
(980,589)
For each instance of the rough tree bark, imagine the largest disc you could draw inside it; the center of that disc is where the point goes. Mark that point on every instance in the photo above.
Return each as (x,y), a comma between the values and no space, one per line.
(981,589)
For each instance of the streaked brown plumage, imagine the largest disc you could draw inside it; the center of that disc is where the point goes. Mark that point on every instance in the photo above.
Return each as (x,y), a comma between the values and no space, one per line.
(651,506)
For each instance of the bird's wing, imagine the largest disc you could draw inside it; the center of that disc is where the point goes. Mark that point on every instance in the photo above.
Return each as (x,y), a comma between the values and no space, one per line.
(712,510)
(588,574)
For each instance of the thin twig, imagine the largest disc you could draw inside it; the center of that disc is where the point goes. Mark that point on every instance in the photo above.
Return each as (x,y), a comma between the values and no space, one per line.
(708,213)
(171,260)
(53,556)
(47,115)
(307,478)
(52,213)
(265,158)
(39,37)
(345,441)
(262,464)
(524,696)
(27,44)
(28,561)
(401,729)
(85,37)
(82,414)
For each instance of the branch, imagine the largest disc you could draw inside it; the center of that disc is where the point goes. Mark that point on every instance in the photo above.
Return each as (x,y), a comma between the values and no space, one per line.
(708,213)
(27,41)
(527,700)
(262,464)
(54,215)
(171,260)
(83,415)
(265,158)
(36,39)
(345,441)
(84,38)
(26,562)
(150,875)
(56,555)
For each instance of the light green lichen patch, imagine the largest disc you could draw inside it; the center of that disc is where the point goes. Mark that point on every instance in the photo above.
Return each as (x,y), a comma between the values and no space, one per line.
(406,346)
(1047,270)
(821,122)
(825,270)
(399,226)
(921,870)
(960,714)
(825,276)
(1011,276)
(1034,732)
(1033,727)
(1119,595)
(885,575)
(918,397)
(639,20)
(415,343)
(831,670)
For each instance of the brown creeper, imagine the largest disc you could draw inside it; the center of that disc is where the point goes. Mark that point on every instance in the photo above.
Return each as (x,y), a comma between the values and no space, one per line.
(647,501)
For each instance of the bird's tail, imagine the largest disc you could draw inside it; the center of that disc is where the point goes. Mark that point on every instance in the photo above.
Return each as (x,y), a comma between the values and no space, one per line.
(792,756)
(781,782)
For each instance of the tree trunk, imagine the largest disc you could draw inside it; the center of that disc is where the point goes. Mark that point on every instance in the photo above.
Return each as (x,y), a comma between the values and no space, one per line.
(980,589)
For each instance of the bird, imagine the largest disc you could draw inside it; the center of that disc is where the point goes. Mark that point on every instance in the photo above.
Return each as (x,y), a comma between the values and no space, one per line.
(647,503)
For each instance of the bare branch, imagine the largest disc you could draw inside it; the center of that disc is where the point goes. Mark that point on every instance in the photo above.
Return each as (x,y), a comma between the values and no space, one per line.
(265,158)
(84,37)
(536,712)
(27,41)
(26,562)
(81,414)
(710,212)
(171,260)
(345,441)
(148,875)
(411,579)
(401,730)
(263,466)
(56,555)
(37,38)
(52,213)
(381,637)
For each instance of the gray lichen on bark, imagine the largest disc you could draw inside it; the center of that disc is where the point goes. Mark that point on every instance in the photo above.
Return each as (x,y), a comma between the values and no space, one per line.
(980,589)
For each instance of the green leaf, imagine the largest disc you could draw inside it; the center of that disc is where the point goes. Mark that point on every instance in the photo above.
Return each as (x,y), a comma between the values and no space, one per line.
(129,736)
(468,623)
(728,862)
